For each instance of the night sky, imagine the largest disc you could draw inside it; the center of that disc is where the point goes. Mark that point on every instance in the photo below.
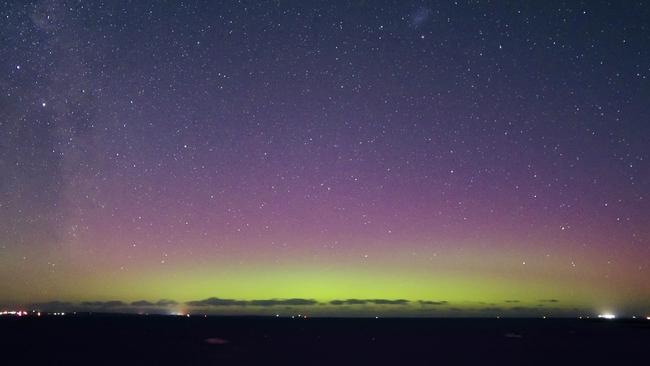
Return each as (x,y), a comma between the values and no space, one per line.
(330,158)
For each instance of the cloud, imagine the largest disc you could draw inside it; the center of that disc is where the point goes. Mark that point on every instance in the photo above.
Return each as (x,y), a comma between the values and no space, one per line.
(349,302)
(163,302)
(533,310)
(104,304)
(290,302)
(142,303)
(369,301)
(166,302)
(520,308)
(389,302)
(215,301)
(55,305)
(108,306)
(490,309)
(427,302)
(508,308)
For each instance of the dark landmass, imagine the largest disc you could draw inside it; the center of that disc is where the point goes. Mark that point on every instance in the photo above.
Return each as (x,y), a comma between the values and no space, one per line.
(168,340)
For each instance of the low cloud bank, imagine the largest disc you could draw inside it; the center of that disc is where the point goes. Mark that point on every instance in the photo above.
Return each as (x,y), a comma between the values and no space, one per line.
(369,301)
(215,301)
(336,307)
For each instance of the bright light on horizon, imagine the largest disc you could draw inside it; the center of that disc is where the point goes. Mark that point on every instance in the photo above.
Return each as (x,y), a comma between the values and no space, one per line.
(607,316)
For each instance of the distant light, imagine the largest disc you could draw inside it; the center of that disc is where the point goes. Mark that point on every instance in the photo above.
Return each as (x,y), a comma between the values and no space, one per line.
(607,316)
(647,318)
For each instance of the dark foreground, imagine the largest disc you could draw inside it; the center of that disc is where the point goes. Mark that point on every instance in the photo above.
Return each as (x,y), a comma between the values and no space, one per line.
(152,340)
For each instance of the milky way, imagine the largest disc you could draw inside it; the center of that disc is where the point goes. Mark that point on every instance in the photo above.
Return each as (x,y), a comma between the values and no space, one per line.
(384,157)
